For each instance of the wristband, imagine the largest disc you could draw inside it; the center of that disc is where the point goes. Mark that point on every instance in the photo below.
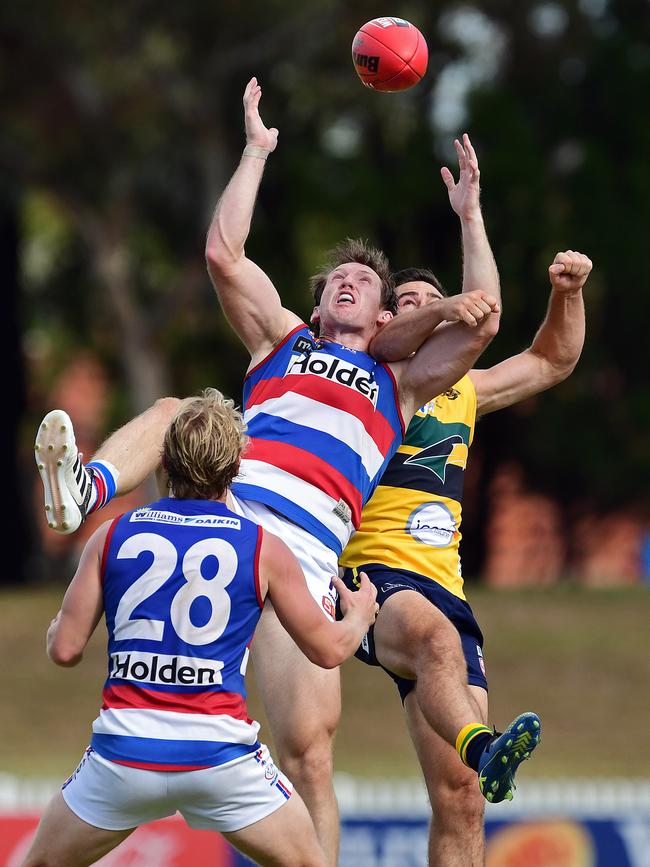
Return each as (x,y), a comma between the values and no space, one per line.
(255,151)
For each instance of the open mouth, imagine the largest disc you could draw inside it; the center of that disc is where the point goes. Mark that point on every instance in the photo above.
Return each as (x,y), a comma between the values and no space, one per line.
(345,298)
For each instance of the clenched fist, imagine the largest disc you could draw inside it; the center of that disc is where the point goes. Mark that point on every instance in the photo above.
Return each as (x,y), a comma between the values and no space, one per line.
(569,271)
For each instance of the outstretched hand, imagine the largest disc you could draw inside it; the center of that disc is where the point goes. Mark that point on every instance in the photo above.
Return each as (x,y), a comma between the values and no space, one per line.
(256,132)
(464,194)
(569,271)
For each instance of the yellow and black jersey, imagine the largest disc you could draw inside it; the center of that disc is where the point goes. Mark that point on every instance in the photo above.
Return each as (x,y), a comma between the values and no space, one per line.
(412,520)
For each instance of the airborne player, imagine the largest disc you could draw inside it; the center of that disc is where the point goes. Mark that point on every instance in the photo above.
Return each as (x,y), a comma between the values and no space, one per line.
(410,530)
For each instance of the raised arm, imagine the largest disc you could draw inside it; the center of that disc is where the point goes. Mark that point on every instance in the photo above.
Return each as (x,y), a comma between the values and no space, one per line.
(556,348)
(403,335)
(82,606)
(479,268)
(248,297)
(323,642)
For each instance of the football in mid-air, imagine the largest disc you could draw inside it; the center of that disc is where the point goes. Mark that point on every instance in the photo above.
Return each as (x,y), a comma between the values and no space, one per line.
(389,54)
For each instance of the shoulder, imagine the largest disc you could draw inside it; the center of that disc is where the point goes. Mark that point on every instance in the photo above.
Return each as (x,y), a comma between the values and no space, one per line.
(97,541)
(298,338)
(274,552)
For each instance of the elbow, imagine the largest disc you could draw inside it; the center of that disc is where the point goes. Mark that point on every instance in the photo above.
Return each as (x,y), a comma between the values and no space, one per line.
(63,654)
(328,650)
(221,256)
(214,253)
(555,370)
(333,660)
(378,353)
(342,648)
(325,657)
(330,644)
(216,260)
(560,372)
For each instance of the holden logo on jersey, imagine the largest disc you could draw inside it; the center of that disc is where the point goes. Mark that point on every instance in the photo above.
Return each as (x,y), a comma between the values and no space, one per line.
(436,457)
(336,370)
(161,668)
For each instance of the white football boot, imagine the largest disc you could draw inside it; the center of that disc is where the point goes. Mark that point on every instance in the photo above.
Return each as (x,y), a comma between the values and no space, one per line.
(67,483)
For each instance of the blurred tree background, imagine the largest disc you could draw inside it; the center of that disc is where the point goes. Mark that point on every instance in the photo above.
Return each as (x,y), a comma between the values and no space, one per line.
(123,122)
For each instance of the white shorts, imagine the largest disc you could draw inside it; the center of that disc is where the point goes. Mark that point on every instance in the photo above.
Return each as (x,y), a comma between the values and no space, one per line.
(225,798)
(319,563)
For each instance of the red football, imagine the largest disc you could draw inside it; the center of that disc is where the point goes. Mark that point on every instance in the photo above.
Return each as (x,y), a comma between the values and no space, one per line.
(389,54)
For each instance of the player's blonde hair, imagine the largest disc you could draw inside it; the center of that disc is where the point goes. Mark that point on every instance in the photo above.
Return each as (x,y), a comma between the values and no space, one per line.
(203,446)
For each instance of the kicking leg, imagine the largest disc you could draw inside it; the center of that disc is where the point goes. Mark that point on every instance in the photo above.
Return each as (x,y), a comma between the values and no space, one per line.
(123,461)
(64,840)
(456,836)
(415,640)
(303,723)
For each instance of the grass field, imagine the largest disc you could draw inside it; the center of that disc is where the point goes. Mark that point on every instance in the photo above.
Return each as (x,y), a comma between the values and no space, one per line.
(579,658)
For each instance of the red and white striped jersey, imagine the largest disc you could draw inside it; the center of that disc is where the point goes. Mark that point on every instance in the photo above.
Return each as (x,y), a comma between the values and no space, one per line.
(324,421)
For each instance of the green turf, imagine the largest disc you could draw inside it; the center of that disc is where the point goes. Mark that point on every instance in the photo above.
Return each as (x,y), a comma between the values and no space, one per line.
(578,658)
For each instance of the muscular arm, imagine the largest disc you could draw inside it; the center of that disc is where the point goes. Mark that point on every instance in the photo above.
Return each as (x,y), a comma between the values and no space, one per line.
(82,606)
(443,359)
(555,350)
(479,268)
(406,333)
(323,642)
(248,297)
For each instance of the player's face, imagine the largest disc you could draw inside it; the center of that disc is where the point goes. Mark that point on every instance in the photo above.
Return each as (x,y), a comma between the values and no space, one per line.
(352,296)
(416,294)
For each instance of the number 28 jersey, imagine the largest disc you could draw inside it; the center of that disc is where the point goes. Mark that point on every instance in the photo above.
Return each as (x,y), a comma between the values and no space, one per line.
(182,600)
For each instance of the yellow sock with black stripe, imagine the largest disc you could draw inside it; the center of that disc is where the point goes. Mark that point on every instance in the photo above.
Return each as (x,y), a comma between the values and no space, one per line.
(470,743)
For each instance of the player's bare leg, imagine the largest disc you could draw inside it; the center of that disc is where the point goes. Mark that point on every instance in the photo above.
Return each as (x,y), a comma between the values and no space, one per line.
(303,723)
(135,448)
(286,838)
(456,835)
(415,640)
(64,840)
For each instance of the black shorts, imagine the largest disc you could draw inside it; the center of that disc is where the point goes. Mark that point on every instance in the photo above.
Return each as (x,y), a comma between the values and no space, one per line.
(389,581)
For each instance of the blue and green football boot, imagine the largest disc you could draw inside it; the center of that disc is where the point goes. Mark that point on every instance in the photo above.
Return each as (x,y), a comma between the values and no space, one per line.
(502,756)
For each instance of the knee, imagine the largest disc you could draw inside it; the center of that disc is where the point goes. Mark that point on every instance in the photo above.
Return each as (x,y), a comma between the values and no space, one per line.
(456,799)
(441,647)
(308,761)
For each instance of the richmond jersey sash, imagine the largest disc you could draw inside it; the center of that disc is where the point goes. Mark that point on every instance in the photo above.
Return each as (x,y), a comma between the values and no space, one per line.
(182,599)
(413,519)
(324,421)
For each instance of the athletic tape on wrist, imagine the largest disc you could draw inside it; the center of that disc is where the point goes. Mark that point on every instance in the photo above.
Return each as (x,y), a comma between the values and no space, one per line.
(255,151)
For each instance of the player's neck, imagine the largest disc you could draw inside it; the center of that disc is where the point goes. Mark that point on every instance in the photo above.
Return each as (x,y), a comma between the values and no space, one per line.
(356,340)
